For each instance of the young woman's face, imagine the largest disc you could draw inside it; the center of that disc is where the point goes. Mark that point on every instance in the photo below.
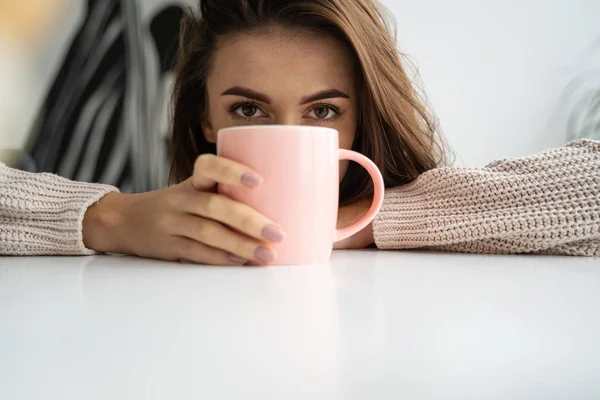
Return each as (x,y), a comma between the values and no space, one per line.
(287,78)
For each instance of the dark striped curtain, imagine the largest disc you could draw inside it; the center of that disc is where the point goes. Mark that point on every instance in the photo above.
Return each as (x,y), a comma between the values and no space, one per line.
(105,117)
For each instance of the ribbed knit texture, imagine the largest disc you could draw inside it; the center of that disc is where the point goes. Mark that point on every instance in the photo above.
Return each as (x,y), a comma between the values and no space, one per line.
(42,214)
(544,204)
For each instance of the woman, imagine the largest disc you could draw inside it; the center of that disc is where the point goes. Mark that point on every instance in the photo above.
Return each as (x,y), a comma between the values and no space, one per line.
(318,62)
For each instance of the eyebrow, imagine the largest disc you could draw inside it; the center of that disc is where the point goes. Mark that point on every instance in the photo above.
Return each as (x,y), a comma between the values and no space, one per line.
(252,94)
(325,94)
(245,92)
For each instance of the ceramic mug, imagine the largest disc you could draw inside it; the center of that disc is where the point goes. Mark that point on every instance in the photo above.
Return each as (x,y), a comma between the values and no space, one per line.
(300,192)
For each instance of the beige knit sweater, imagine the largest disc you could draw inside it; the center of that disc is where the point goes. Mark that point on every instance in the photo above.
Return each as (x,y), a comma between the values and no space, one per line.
(545,204)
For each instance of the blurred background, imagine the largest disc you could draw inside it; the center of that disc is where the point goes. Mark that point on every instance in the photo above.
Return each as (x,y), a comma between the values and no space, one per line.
(84,84)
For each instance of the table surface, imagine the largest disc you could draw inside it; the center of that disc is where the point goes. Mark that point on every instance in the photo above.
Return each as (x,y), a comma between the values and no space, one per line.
(366,325)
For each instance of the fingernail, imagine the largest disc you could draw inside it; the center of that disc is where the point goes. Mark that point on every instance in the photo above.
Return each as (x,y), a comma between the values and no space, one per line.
(263,254)
(273,233)
(251,180)
(237,260)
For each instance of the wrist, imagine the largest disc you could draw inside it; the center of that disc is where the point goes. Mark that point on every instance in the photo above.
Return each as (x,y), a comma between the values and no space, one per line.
(103,224)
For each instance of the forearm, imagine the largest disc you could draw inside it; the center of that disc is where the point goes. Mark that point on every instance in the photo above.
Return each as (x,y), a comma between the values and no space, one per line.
(547,203)
(42,214)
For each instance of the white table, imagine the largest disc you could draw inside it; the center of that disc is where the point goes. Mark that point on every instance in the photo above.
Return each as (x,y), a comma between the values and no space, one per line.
(369,325)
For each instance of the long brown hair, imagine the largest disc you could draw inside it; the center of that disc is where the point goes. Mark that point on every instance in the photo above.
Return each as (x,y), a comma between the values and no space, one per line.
(394,129)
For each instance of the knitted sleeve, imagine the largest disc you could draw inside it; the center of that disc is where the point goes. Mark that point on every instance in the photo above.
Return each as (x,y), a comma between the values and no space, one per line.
(545,204)
(42,214)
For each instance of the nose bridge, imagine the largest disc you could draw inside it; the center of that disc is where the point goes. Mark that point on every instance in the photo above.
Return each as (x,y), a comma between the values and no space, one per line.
(288,115)
(287,93)
(286,109)
(287,121)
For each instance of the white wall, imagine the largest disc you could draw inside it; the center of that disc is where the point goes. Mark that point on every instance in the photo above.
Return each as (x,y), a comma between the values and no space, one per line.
(493,70)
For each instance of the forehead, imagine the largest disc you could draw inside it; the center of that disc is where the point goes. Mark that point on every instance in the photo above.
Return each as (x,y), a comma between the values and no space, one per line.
(290,61)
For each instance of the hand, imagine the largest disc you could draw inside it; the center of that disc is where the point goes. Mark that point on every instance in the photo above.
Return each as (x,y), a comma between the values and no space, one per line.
(347,216)
(187,222)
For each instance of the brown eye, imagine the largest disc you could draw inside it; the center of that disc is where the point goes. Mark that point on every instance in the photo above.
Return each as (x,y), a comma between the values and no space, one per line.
(249,111)
(322,112)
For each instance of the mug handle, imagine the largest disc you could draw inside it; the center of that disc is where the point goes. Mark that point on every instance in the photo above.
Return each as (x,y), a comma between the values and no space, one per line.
(378,194)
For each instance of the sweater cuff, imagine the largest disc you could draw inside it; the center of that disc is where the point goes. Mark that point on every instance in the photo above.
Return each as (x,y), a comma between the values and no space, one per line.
(400,223)
(423,213)
(42,214)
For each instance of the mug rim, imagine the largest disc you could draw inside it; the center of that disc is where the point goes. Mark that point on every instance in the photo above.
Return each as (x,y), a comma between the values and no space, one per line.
(275,126)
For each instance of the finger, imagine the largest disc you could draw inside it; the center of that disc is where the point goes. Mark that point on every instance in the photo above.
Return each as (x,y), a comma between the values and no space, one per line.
(210,170)
(235,215)
(216,235)
(199,253)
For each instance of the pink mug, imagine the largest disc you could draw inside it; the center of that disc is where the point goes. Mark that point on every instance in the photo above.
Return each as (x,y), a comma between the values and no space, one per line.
(300,167)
